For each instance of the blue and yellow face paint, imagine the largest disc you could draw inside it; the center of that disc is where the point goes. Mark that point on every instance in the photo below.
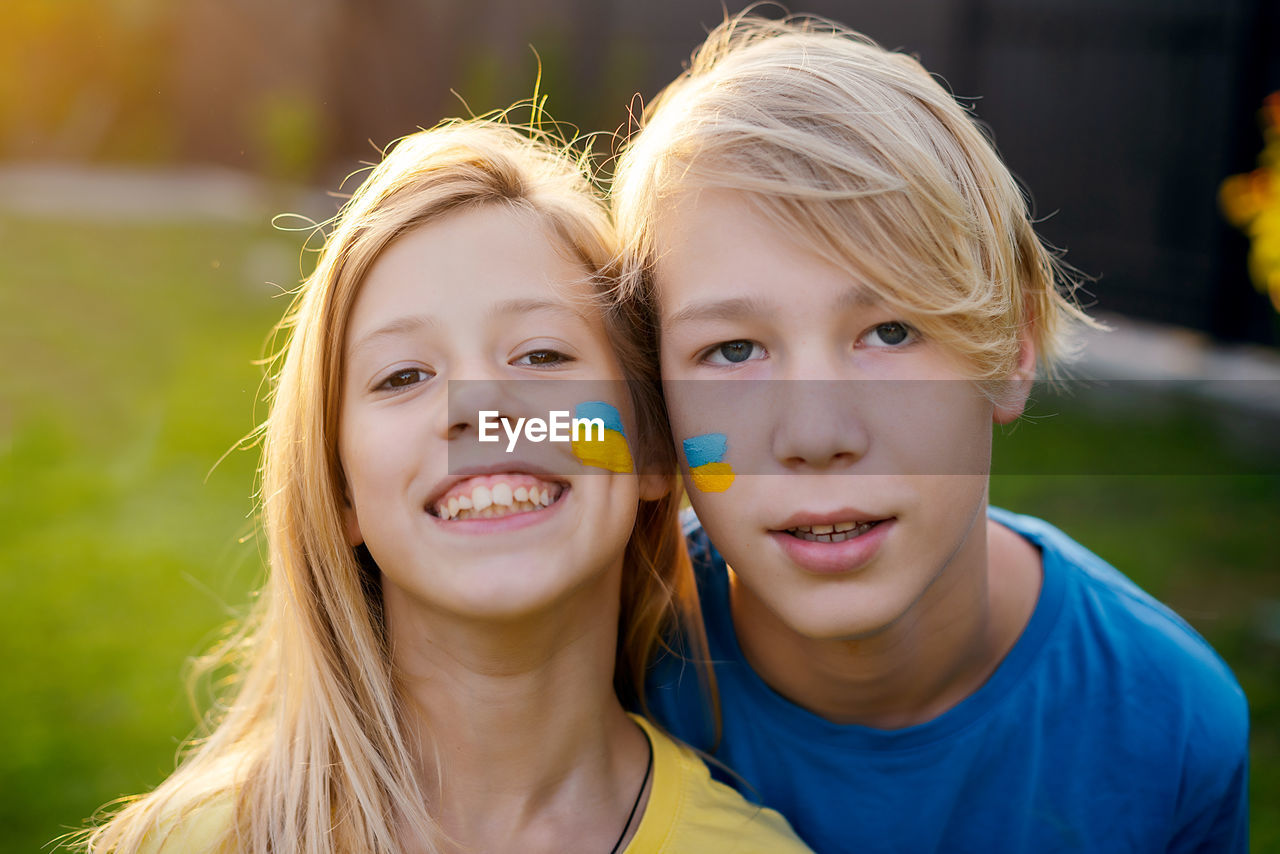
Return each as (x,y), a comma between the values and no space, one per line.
(705,455)
(608,451)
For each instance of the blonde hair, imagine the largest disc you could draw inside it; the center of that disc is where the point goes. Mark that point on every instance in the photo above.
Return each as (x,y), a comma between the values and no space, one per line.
(311,750)
(859,154)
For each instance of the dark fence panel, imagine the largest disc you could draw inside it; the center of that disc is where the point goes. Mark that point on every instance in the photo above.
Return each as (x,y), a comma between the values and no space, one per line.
(1123,118)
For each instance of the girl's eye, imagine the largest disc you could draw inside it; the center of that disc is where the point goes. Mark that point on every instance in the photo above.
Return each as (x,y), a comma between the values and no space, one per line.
(892,334)
(544,359)
(733,353)
(404,378)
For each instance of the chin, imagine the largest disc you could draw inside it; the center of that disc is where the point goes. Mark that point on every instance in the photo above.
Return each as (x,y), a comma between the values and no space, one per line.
(505,606)
(501,594)
(830,623)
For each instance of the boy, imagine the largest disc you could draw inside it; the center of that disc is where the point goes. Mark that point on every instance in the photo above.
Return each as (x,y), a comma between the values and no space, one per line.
(820,228)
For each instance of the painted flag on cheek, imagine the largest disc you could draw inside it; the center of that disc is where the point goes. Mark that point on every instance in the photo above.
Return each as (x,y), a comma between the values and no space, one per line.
(705,455)
(608,449)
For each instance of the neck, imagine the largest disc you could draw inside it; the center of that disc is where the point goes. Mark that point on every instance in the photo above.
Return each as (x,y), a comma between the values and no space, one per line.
(939,652)
(523,742)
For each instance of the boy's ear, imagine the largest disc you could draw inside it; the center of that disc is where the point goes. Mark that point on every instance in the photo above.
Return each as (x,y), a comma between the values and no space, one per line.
(1018,385)
(654,487)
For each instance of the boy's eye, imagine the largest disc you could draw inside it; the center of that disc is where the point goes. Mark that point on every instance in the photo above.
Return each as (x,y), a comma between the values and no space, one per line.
(892,334)
(404,378)
(544,358)
(733,353)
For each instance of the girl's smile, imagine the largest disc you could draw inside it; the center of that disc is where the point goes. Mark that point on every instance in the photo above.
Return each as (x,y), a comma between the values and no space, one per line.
(496,496)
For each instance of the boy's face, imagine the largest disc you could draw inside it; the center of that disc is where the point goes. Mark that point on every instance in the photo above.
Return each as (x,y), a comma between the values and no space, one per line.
(860,451)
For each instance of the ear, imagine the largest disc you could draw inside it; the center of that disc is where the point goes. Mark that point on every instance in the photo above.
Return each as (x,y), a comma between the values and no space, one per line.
(654,487)
(351,522)
(1018,387)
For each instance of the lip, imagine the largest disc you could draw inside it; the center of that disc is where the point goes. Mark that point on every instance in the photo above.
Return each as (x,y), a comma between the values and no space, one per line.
(833,558)
(844,514)
(508,467)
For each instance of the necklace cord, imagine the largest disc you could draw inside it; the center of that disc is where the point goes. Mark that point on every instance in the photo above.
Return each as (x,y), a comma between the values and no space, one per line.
(635,805)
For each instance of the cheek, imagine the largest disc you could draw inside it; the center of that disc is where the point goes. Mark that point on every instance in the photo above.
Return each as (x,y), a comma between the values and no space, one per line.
(724,513)
(368,459)
(935,427)
(950,504)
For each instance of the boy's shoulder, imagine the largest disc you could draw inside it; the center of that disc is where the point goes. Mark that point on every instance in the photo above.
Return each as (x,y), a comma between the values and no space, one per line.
(1137,661)
(1095,639)
(1105,614)
(1108,699)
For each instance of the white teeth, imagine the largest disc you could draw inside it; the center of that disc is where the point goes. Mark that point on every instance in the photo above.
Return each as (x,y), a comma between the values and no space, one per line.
(486,502)
(831,533)
(490,512)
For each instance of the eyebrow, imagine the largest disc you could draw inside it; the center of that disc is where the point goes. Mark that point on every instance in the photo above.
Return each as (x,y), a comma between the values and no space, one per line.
(738,308)
(399,326)
(417,323)
(725,309)
(533,306)
(857,297)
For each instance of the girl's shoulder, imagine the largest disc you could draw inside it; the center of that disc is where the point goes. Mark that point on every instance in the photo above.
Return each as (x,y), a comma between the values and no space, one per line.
(690,812)
(203,829)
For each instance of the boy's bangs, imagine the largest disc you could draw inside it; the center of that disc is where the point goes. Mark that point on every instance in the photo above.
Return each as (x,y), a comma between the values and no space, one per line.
(926,268)
(917,257)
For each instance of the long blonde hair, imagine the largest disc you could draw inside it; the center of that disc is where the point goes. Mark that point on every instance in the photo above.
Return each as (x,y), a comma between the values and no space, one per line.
(310,749)
(859,154)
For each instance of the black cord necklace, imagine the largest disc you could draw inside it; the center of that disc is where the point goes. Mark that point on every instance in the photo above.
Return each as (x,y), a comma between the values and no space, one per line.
(648,769)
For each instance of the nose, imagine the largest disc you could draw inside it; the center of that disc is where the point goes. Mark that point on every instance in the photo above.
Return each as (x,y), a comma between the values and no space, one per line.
(818,426)
(477,403)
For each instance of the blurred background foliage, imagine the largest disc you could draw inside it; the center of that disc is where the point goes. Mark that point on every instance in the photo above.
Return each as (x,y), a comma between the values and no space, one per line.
(129,341)
(1155,101)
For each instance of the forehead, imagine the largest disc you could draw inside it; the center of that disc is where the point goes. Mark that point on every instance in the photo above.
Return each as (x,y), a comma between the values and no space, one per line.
(456,265)
(717,246)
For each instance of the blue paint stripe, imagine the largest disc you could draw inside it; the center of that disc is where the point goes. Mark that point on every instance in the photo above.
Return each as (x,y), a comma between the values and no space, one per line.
(707,448)
(604,411)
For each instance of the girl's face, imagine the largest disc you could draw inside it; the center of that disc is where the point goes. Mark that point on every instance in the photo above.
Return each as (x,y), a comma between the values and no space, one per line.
(484,295)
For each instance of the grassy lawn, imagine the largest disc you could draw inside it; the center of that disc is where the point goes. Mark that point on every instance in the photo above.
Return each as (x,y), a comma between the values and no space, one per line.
(129,373)
(128,354)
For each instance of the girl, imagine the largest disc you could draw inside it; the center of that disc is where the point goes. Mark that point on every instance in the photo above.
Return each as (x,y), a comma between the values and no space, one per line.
(431,666)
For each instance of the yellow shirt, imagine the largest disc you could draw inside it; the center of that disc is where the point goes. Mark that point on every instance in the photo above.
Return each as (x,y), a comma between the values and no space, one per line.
(687,813)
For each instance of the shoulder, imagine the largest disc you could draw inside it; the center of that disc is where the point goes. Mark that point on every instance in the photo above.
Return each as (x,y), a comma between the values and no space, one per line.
(690,812)
(202,829)
(1116,612)
(1121,638)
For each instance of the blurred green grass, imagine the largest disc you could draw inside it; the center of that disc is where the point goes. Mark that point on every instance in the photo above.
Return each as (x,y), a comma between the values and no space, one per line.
(129,372)
(128,353)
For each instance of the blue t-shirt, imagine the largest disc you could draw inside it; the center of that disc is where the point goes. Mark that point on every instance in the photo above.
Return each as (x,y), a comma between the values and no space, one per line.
(1110,726)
